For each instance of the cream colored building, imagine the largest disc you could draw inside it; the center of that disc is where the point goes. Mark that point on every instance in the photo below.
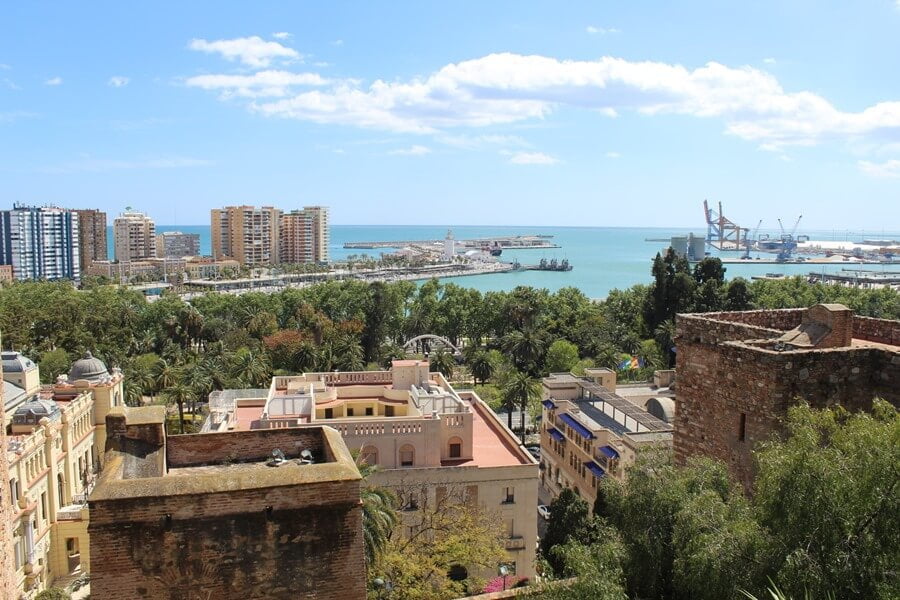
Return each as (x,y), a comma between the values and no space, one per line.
(589,432)
(134,235)
(194,267)
(54,449)
(246,234)
(427,439)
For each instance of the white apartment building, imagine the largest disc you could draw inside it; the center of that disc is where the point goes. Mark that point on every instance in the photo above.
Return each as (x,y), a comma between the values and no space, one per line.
(40,242)
(429,441)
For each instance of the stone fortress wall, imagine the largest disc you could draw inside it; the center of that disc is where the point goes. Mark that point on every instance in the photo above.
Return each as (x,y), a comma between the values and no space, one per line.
(736,383)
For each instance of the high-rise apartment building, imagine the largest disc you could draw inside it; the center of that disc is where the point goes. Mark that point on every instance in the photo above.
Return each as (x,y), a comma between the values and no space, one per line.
(135,236)
(296,240)
(91,237)
(321,237)
(40,242)
(175,244)
(247,234)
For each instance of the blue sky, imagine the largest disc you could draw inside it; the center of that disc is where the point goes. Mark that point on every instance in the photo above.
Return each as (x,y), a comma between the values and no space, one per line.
(520,113)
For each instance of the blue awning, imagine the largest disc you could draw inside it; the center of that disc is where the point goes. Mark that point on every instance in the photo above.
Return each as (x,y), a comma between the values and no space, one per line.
(556,434)
(574,424)
(595,469)
(548,404)
(609,451)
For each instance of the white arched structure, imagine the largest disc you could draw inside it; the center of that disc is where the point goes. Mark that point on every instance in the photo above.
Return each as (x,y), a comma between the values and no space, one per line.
(428,341)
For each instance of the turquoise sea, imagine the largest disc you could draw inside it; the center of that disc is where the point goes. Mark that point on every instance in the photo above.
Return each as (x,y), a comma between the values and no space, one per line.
(604,258)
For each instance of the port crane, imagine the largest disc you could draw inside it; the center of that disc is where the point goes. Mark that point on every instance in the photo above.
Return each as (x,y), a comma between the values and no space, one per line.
(721,232)
(748,241)
(790,240)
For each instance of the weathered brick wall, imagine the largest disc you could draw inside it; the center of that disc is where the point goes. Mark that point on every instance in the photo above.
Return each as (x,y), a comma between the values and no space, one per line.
(299,541)
(6,550)
(719,380)
(782,319)
(708,330)
(240,446)
(877,330)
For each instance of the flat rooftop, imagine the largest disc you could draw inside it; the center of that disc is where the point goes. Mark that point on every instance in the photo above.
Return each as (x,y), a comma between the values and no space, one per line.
(491,446)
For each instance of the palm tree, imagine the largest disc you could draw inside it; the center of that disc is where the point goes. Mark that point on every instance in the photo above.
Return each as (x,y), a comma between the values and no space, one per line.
(163,374)
(443,362)
(521,390)
(526,348)
(179,394)
(379,516)
(306,357)
(249,367)
(482,367)
(348,354)
(133,393)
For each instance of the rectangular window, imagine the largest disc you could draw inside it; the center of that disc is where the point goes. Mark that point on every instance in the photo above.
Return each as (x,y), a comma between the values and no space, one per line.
(329,413)
(406,458)
(368,411)
(349,412)
(509,495)
(742,427)
(510,528)
(44,514)
(455,450)
(389,411)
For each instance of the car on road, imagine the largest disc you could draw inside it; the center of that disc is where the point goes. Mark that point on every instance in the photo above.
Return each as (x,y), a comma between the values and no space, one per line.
(534,450)
(544,511)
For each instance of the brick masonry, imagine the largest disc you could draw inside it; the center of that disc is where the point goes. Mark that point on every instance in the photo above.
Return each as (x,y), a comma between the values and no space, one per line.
(238,538)
(728,384)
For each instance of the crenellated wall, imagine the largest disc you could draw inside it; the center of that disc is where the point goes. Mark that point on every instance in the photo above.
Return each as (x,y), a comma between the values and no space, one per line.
(734,392)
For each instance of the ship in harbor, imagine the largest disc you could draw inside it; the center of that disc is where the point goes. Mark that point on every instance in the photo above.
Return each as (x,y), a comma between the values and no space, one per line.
(544,265)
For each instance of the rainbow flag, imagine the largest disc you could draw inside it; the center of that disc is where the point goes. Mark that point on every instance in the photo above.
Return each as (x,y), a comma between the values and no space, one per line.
(631,363)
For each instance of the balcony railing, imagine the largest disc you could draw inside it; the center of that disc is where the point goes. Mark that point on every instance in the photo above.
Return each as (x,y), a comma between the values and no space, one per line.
(515,542)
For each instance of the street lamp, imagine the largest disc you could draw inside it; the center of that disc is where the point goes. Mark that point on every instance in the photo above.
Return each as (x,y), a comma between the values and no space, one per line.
(503,571)
(382,584)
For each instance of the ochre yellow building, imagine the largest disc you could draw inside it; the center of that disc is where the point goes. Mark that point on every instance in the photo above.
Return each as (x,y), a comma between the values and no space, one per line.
(54,450)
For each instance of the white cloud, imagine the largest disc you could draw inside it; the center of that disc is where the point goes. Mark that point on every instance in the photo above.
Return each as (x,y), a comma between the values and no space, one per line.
(772,61)
(510,88)
(54,81)
(532,158)
(600,30)
(252,51)
(613,155)
(282,35)
(262,84)
(100,164)
(15,115)
(415,150)
(890,168)
(337,43)
(118,81)
(5,67)
(321,64)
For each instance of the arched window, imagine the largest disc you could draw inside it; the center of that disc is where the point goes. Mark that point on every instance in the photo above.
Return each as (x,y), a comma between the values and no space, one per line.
(455,447)
(60,490)
(407,455)
(369,455)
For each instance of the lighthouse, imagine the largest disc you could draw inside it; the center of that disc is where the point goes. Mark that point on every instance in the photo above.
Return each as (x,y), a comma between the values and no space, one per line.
(449,246)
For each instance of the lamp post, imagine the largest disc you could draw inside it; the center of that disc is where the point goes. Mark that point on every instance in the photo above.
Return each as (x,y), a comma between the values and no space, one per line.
(382,585)
(503,571)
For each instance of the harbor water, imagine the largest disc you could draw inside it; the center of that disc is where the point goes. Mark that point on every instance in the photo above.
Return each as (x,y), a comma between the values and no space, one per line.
(604,258)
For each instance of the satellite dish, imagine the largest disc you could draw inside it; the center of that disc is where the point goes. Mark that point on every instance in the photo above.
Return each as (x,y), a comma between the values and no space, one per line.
(306,457)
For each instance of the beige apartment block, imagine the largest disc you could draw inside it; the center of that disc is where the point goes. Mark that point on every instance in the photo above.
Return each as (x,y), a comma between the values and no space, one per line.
(246,234)
(427,439)
(134,236)
(588,432)
(320,231)
(53,448)
(295,238)
(91,237)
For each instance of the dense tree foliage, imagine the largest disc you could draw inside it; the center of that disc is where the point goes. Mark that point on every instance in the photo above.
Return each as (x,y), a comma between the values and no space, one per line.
(824,519)
(222,340)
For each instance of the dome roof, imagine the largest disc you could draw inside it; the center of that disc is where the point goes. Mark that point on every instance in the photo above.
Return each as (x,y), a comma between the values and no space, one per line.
(14,362)
(662,408)
(89,368)
(34,410)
